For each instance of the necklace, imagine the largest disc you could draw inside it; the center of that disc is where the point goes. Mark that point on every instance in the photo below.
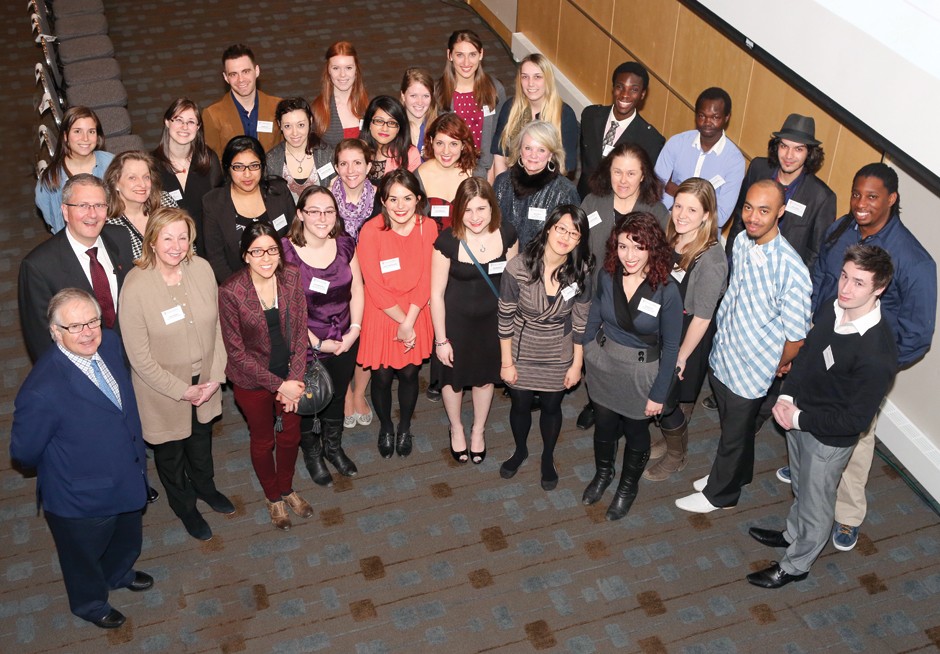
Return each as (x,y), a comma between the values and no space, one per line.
(180,165)
(300,160)
(481,247)
(265,305)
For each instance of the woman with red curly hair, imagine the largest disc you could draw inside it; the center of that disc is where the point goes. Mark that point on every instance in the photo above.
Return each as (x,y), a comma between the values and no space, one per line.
(631,343)
(450,158)
(338,110)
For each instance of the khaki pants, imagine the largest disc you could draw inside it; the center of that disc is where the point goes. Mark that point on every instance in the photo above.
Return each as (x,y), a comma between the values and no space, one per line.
(851,504)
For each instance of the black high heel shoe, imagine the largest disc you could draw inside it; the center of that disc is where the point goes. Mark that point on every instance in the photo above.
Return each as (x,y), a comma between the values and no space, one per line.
(478,457)
(454,453)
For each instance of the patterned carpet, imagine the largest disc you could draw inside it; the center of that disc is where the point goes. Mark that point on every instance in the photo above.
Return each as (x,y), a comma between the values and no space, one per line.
(421,554)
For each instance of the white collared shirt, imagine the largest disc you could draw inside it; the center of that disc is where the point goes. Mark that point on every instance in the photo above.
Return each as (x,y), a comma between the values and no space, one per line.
(103,259)
(622,125)
(717,149)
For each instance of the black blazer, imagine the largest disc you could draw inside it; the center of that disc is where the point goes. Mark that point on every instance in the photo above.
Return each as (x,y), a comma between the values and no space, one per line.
(191,197)
(805,233)
(594,126)
(53,266)
(222,238)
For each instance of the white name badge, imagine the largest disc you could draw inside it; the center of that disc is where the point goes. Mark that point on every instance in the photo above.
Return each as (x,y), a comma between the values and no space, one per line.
(440,211)
(279,223)
(717,181)
(265,126)
(678,274)
(795,208)
(594,219)
(535,213)
(390,265)
(607,150)
(487,111)
(173,315)
(757,256)
(360,125)
(496,267)
(569,292)
(326,170)
(319,285)
(828,358)
(648,307)
(176,195)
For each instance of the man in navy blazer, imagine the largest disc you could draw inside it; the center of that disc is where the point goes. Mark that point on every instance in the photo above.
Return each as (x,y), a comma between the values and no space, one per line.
(630,82)
(61,261)
(75,421)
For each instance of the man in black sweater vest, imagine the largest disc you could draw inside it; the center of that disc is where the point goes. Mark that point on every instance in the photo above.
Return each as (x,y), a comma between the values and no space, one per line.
(831,395)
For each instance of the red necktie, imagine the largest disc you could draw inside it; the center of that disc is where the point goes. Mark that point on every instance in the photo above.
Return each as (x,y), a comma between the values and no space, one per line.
(102,287)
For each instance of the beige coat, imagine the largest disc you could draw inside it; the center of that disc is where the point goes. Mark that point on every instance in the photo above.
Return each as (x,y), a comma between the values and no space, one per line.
(159,352)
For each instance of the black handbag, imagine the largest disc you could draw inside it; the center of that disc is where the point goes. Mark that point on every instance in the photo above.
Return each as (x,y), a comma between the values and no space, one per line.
(318,390)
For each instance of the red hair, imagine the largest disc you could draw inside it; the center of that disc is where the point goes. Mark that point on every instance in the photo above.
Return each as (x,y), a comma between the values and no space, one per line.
(452,125)
(644,230)
(358,97)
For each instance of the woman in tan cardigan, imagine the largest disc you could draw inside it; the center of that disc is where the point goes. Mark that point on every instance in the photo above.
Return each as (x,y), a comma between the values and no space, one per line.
(174,345)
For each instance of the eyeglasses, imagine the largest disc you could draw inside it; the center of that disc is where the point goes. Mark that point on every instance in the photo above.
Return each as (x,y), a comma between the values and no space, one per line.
(316,213)
(257,253)
(79,327)
(567,233)
(240,168)
(179,122)
(84,206)
(391,124)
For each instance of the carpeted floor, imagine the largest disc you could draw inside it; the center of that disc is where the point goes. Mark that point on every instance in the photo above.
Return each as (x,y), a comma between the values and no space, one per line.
(420,554)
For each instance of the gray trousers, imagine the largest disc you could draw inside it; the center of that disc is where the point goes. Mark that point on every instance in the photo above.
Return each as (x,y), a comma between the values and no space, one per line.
(815,470)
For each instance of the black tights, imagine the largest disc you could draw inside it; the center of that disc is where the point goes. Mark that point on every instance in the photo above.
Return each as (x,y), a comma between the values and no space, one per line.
(407,396)
(520,420)
(672,420)
(610,425)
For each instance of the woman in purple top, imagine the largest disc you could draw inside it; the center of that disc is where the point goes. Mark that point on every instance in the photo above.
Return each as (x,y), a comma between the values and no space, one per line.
(317,243)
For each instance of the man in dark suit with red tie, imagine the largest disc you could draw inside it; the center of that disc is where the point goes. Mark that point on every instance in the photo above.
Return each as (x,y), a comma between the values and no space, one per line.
(87,254)
(76,422)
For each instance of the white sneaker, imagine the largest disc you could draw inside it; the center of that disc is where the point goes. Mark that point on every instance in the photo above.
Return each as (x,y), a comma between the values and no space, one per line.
(696,503)
(700,484)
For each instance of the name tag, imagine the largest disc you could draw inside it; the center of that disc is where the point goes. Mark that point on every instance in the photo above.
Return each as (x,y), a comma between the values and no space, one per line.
(569,292)
(717,181)
(360,125)
(536,213)
(173,315)
(594,219)
(176,195)
(440,210)
(607,150)
(828,358)
(649,307)
(319,285)
(496,267)
(265,126)
(795,208)
(279,223)
(390,265)
(757,256)
(678,274)
(325,171)
(487,111)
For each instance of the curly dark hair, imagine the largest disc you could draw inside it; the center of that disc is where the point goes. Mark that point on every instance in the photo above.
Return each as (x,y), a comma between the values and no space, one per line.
(814,156)
(644,230)
(452,125)
(651,188)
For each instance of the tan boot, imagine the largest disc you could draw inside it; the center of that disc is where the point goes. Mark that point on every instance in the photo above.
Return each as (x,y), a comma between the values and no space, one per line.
(279,517)
(657,447)
(677,443)
(298,505)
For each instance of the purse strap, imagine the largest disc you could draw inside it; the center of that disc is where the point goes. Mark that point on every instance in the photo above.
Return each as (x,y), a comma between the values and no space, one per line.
(480,268)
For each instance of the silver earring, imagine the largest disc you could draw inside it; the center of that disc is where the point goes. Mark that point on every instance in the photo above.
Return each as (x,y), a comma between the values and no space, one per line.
(551,166)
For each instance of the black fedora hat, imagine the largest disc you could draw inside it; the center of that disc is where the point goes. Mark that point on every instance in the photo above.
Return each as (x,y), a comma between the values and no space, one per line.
(801,129)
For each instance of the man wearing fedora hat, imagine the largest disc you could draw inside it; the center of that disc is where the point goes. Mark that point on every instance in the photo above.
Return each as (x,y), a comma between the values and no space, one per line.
(794,156)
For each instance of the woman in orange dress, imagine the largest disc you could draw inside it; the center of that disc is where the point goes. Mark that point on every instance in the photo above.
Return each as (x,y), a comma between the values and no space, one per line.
(395,256)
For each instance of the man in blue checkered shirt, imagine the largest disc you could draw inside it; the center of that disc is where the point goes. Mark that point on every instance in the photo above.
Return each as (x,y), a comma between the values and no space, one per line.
(762,321)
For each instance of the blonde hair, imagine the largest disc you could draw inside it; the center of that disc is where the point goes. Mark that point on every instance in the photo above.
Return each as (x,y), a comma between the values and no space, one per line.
(520,113)
(703,191)
(546,135)
(160,218)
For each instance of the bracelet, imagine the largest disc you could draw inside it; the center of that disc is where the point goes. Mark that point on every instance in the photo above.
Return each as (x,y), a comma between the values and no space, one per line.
(355,324)
(316,348)
(510,365)
(446,341)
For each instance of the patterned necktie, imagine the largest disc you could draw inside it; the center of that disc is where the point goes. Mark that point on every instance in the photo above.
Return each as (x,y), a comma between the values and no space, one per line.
(102,288)
(609,136)
(103,384)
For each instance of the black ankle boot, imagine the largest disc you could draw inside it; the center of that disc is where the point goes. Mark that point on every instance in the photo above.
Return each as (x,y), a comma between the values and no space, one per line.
(604,453)
(311,445)
(633,464)
(333,448)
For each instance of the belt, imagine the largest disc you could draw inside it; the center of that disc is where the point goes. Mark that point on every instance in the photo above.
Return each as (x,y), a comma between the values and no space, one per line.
(646,355)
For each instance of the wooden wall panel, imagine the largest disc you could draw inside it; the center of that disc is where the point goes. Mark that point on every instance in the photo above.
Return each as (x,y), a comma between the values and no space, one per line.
(582,48)
(538,20)
(600,10)
(649,30)
(679,118)
(654,108)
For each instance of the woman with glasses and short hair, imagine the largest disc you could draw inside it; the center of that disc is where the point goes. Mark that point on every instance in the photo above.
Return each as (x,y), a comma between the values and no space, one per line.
(248,197)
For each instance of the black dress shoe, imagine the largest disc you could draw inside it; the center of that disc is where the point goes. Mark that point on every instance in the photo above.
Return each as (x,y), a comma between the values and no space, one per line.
(773,577)
(586,417)
(386,444)
(768,537)
(403,443)
(196,526)
(710,403)
(152,495)
(219,503)
(113,620)
(142,581)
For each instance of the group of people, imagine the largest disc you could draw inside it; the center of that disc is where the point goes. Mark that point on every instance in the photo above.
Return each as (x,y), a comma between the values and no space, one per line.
(442,223)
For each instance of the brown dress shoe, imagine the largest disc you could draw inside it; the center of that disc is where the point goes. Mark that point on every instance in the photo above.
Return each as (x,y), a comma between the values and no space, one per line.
(279,517)
(298,505)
